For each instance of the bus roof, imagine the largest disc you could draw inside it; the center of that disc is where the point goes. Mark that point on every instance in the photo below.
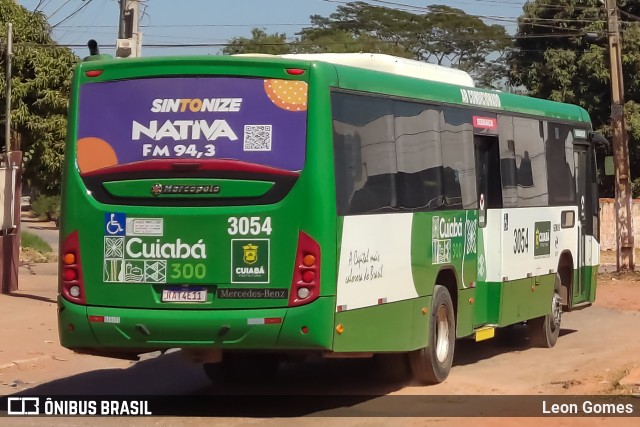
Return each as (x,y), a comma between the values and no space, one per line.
(369,65)
(375,73)
(389,64)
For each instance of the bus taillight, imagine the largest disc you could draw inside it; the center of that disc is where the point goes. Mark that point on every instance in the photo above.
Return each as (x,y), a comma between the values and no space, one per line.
(71,284)
(93,73)
(295,71)
(306,275)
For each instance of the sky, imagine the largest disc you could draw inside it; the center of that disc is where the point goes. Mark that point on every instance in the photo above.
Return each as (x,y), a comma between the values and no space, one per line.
(216,21)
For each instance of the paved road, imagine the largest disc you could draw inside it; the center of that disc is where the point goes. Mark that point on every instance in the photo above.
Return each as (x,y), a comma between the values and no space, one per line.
(597,347)
(46,230)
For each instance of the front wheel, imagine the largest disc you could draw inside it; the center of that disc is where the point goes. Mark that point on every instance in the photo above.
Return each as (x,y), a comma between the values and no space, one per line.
(544,330)
(432,364)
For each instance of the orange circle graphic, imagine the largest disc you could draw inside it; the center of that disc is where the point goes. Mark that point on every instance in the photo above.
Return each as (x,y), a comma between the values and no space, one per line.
(94,154)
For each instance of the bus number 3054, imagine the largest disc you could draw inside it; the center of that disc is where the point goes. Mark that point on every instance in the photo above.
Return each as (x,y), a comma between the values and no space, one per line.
(249,226)
(521,240)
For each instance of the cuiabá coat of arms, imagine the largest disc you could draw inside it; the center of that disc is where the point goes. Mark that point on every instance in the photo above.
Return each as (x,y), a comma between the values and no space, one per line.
(250,254)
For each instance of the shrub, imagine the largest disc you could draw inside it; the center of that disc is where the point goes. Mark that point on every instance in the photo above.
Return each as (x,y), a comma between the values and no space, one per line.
(635,187)
(47,206)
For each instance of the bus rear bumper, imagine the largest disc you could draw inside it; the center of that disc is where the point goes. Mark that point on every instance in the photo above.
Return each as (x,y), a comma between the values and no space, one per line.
(119,332)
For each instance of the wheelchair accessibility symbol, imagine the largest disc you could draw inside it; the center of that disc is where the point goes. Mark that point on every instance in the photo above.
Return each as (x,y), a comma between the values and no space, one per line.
(114,224)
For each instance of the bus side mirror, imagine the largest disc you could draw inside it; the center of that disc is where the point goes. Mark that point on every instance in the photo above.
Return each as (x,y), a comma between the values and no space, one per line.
(609,169)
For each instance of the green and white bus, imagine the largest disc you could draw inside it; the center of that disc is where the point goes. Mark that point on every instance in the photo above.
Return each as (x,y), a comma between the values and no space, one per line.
(247,209)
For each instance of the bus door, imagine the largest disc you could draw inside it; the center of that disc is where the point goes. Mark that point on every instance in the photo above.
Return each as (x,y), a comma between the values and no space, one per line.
(489,184)
(583,168)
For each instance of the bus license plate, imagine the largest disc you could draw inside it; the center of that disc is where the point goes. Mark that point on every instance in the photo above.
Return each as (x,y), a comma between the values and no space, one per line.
(184,295)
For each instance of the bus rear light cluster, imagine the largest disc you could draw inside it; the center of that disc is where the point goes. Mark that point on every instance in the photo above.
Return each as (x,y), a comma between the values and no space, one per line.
(306,275)
(71,286)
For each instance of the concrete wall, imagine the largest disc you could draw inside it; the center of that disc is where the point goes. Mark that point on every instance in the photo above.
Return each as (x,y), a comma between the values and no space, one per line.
(608,224)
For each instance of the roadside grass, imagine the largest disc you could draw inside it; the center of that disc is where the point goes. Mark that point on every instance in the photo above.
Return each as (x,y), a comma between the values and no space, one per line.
(30,240)
(34,249)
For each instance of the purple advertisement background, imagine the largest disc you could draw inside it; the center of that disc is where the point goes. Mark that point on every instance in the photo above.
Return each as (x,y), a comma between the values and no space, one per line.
(108,110)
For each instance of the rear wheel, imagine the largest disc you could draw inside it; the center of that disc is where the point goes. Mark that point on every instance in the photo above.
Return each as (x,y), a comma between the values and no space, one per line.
(432,364)
(248,368)
(544,330)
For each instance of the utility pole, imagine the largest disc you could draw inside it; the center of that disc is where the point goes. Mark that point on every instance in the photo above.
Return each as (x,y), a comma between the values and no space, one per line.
(129,36)
(624,219)
(10,233)
(7,127)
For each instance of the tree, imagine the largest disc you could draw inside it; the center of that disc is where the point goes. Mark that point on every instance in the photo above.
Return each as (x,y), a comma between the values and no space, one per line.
(41,72)
(441,35)
(360,27)
(453,37)
(260,42)
(561,53)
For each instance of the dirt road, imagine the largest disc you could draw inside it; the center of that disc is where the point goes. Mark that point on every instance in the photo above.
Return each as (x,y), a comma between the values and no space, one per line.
(597,353)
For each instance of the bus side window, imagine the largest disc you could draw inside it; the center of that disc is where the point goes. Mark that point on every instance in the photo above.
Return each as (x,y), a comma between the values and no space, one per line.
(523,162)
(560,165)
(458,158)
(364,153)
(421,181)
(348,164)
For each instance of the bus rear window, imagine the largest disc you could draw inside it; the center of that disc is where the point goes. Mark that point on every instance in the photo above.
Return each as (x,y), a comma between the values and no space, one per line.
(259,121)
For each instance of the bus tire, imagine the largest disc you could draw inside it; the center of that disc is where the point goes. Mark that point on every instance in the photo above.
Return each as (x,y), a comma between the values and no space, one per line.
(544,330)
(432,364)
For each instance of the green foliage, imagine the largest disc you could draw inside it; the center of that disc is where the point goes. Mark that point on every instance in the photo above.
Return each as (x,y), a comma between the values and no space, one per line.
(30,240)
(40,91)
(555,59)
(260,42)
(442,35)
(635,188)
(360,27)
(48,207)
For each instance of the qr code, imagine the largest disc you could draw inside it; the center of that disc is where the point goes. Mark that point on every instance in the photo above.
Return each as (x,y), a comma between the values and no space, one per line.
(257,138)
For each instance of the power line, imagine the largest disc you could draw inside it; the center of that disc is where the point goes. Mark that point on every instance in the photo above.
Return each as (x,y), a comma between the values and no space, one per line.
(191,25)
(57,10)
(88,2)
(40,3)
(514,20)
(302,44)
(538,22)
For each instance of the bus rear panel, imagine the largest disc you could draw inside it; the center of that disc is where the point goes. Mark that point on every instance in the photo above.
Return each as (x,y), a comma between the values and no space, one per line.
(188,218)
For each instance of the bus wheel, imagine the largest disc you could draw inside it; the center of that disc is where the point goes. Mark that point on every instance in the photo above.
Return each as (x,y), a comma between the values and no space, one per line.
(248,368)
(544,331)
(431,365)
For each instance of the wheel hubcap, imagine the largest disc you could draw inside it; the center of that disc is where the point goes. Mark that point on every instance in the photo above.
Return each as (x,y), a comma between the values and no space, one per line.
(442,334)
(556,310)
